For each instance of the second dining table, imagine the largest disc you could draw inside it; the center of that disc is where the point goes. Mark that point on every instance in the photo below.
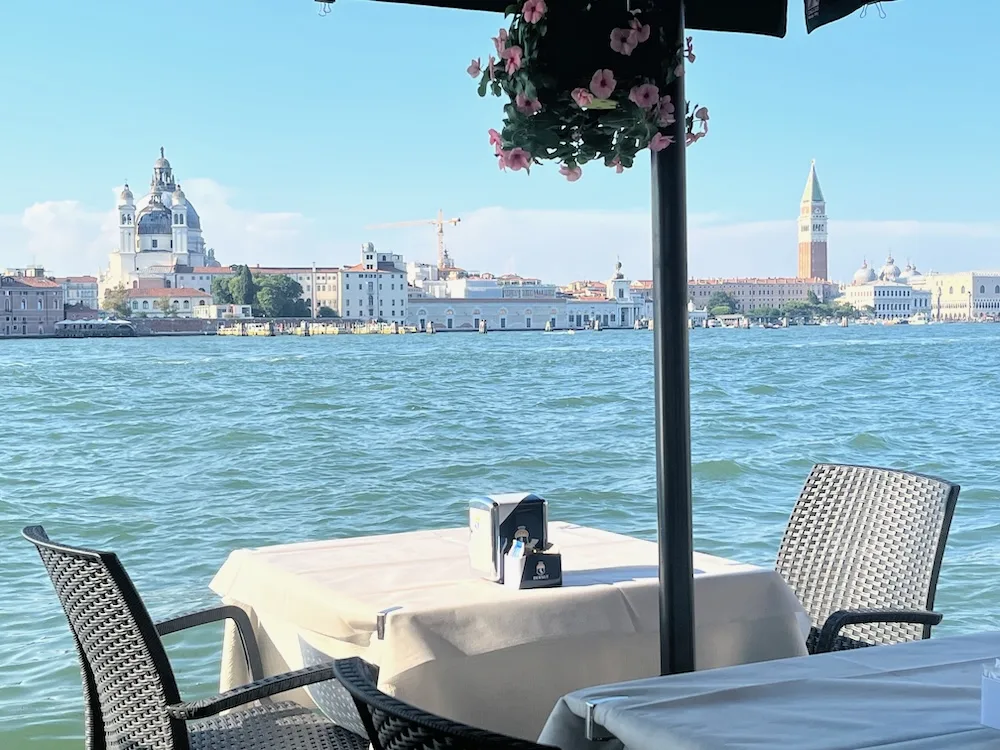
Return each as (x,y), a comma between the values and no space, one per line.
(475,651)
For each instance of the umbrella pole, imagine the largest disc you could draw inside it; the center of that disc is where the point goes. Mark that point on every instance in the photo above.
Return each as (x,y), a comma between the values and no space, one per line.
(673,408)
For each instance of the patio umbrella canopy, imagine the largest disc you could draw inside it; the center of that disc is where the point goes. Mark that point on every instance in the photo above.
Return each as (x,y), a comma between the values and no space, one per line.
(670,336)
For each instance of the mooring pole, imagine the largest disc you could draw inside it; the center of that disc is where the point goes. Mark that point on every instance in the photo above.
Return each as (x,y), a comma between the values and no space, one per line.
(670,352)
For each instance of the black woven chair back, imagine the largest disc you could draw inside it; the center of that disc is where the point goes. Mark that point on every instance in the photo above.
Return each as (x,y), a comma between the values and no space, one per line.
(864,537)
(127,679)
(394,725)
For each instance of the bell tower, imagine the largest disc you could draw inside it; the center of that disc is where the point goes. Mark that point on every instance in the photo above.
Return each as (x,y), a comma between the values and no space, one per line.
(812,230)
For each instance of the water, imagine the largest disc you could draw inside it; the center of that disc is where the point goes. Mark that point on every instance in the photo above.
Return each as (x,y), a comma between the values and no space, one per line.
(174,452)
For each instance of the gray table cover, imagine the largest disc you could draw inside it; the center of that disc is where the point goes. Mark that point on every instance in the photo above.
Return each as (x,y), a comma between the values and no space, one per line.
(913,696)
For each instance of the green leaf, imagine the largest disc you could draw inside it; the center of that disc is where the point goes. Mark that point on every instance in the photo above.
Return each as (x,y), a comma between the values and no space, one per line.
(484,83)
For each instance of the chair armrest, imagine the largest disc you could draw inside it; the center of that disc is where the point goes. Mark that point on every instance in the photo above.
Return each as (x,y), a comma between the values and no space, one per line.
(199,709)
(216,614)
(844,617)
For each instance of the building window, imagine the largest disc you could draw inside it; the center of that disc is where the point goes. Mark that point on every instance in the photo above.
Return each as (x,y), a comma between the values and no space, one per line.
(503,322)
(24,304)
(982,289)
(186,304)
(450,321)
(155,244)
(527,322)
(475,323)
(41,303)
(145,304)
(201,303)
(135,305)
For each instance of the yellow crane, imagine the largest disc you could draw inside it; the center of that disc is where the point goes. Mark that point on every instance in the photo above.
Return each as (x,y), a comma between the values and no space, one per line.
(444,261)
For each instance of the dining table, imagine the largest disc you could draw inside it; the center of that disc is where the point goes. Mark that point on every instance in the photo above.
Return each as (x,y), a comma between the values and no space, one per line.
(921,695)
(472,650)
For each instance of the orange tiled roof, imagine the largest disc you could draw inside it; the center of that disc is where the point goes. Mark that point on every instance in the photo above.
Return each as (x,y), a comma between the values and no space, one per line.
(212,269)
(756,280)
(37,283)
(75,279)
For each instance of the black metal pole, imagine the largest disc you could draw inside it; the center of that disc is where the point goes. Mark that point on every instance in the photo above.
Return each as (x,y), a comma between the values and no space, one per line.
(670,352)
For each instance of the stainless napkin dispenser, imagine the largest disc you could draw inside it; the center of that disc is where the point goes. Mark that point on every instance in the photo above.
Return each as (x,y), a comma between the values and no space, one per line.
(495,521)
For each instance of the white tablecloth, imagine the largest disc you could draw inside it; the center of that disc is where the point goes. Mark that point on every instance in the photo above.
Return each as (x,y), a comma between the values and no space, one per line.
(914,696)
(478,652)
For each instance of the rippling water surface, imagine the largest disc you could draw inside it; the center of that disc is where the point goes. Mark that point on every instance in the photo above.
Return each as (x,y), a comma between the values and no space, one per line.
(174,452)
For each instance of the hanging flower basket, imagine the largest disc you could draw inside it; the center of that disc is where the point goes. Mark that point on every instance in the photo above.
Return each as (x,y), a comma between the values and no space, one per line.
(584,79)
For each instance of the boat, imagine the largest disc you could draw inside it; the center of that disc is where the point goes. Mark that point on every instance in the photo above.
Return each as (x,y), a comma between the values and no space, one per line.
(95,329)
(919,319)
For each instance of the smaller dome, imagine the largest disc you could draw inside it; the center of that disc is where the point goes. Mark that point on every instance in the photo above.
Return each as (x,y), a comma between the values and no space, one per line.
(865,274)
(179,198)
(156,220)
(890,271)
(125,196)
(162,162)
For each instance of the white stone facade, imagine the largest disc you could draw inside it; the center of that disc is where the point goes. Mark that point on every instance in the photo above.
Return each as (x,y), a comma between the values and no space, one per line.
(968,295)
(179,303)
(753,293)
(499,314)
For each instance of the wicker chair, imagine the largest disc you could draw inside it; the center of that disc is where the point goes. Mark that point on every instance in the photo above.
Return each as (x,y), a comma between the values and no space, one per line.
(862,551)
(131,698)
(394,725)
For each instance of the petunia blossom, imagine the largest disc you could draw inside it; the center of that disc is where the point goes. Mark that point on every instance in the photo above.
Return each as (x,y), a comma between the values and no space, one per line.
(533,10)
(571,173)
(502,159)
(701,114)
(491,67)
(496,141)
(666,112)
(617,164)
(624,40)
(689,51)
(641,29)
(475,69)
(660,142)
(518,159)
(512,56)
(500,41)
(646,96)
(582,97)
(526,105)
(603,83)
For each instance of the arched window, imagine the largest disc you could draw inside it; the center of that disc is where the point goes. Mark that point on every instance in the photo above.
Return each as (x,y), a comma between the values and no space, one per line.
(186,304)
(951,290)
(963,289)
(201,303)
(982,289)
(145,304)
(135,304)
(41,303)
(24,304)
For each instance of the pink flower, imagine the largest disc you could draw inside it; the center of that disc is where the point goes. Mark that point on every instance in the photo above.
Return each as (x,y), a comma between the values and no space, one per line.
(518,159)
(582,97)
(526,105)
(533,10)
(491,67)
(660,142)
(701,114)
(513,57)
(616,163)
(679,70)
(502,159)
(646,96)
(666,113)
(571,173)
(603,83)
(496,141)
(500,41)
(641,29)
(475,68)
(689,52)
(692,138)
(624,40)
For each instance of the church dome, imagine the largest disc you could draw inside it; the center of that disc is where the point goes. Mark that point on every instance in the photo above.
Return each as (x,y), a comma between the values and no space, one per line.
(890,271)
(179,198)
(125,197)
(865,274)
(193,220)
(909,273)
(155,219)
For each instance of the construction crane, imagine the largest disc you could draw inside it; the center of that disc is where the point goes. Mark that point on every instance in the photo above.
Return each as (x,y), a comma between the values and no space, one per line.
(444,260)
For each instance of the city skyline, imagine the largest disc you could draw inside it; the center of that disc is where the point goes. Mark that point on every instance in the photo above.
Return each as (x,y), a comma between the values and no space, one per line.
(282,177)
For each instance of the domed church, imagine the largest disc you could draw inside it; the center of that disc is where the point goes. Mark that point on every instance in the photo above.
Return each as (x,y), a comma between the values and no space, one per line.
(160,243)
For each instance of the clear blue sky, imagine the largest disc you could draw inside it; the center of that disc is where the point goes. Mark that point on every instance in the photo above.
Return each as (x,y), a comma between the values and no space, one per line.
(367,114)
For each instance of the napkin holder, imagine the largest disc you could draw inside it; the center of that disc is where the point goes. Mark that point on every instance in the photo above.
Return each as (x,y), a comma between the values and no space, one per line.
(989,710)
(496,521)
(539,569)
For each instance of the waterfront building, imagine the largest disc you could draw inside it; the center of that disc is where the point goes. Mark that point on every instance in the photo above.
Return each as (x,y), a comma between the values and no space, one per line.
(513,286)
(152,302)
(614,307)
(460,314)
(30,304)
(222,312)
(753,293)
(375,288)
(966,295)
(812,230)
(887,294)
(79,291)
(320,284)
(159,238)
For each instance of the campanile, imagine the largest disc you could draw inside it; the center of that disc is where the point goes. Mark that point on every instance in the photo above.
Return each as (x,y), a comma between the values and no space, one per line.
(812,230)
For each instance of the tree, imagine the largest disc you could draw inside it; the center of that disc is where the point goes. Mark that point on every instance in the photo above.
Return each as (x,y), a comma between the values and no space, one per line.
(720,310)
(798,309)
(722,299)
(812,298)
(164,306)
(242,286)
(326,312)
(278,296)
(116,301)
(222,292)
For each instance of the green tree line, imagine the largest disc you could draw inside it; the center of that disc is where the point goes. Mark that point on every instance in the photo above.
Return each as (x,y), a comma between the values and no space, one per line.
(721,303)
(270,295)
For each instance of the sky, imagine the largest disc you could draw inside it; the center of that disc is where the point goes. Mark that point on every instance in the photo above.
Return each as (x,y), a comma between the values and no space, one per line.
(292,132)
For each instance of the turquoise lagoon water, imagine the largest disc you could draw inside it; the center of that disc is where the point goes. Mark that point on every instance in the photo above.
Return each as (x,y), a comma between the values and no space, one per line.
(174,452)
